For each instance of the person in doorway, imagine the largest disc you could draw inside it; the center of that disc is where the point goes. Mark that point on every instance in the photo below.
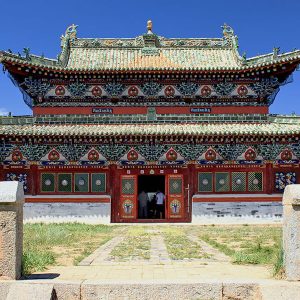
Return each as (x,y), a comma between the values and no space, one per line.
(143,204)
(160,205)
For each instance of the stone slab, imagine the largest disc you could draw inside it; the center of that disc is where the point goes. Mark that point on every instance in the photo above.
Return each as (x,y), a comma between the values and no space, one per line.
(25,291)
(291,195)
(11,229)
(11,192)
(204,291)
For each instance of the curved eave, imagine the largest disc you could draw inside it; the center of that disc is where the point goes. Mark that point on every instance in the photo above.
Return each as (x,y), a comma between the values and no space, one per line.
(12,60)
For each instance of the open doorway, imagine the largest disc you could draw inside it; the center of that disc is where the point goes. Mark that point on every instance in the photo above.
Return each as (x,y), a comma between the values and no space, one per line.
(148,186)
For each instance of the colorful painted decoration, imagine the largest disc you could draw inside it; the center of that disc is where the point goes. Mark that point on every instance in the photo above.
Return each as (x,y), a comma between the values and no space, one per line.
(132,155)
(18,177)
(286,154)
(96,91)
(60,90)
(250,154)
(282,179)
(242,90)
(53,155)
(210,155)
(171,155)
(205,91)
(93,155)
(133,91)
(16,156)
(169,91)
(77,89)
(175,206)
(128,206)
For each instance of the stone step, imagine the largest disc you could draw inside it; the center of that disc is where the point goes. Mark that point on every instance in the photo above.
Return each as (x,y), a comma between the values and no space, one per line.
(24,291)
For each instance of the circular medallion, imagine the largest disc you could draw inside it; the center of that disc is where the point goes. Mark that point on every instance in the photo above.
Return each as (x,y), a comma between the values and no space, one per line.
(93,155)
(81,182)
(16,156)
(132,155)
(255,181)
(53,155)
(98,182)
(96,91)
(286,154)
(171,155)
(205,91)
(205,181)
(60,90)
(210,155)
(221,181)
(242,90)
(169,91)
(64,182)
(250,154)
(133,91)
(238,181)
(48,182)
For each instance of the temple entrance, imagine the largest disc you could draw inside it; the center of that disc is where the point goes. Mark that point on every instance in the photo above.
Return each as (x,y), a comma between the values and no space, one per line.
(174,208)
(148,186)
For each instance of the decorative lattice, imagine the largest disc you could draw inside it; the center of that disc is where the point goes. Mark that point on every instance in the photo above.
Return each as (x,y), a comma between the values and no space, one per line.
(255,181)
(175,186)
(99,182)
(205,182)
(81,183)
(47,182)
(238,181)
(127,186)
(64,183)
(222,183)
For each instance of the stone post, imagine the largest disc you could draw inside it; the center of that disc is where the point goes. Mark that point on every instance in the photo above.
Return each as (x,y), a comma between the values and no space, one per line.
(11,229)
(291,231)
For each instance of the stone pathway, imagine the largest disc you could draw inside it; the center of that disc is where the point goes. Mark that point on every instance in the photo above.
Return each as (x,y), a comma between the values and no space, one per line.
(216,255)
(102,254)
(158,253)
(160,267)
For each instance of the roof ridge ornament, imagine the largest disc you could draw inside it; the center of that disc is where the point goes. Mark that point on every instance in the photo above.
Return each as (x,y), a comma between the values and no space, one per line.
(149,27)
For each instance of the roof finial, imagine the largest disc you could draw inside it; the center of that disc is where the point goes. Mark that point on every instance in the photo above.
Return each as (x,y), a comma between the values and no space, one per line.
(149,26)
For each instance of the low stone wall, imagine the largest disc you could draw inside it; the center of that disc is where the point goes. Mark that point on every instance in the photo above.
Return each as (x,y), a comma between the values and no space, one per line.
(236,212)
(91,213)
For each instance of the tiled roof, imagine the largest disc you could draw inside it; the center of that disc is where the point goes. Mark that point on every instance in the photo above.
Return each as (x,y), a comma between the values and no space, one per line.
(165,59)
(150,52)
(152,129)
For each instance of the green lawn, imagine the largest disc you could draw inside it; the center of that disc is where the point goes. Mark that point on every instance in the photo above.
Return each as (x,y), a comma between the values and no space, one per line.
(67,244)
(61,244)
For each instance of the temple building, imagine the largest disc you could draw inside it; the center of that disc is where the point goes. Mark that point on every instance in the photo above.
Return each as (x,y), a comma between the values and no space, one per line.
(116,116)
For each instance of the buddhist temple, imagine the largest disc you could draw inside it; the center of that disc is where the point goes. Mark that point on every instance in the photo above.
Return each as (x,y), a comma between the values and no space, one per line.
(189,117)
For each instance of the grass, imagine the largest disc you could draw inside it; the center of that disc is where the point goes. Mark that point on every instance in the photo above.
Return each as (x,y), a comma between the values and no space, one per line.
(135,246)
(251,244)
(180,247)
(63,244)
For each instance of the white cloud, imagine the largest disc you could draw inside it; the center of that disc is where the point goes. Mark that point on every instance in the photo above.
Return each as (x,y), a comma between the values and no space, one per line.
(3,111)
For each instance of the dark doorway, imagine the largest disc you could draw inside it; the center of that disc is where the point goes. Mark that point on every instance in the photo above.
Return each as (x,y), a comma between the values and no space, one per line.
(150,184)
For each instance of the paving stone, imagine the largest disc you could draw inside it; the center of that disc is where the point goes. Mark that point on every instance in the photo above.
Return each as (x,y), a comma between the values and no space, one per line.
(158,252)
(203,291)
(30,291)
(102,253)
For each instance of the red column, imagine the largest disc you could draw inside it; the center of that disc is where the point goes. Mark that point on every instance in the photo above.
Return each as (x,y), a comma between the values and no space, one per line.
(34,180)
(269,180)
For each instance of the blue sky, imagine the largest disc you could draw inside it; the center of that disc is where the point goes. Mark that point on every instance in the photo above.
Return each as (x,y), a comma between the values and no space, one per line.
(260,25)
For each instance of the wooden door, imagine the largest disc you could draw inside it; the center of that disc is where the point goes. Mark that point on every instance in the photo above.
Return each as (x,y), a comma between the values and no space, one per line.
(175,196)
(128,197)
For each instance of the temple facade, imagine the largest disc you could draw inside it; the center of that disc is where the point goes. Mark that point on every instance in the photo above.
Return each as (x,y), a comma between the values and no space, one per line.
(186,116)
